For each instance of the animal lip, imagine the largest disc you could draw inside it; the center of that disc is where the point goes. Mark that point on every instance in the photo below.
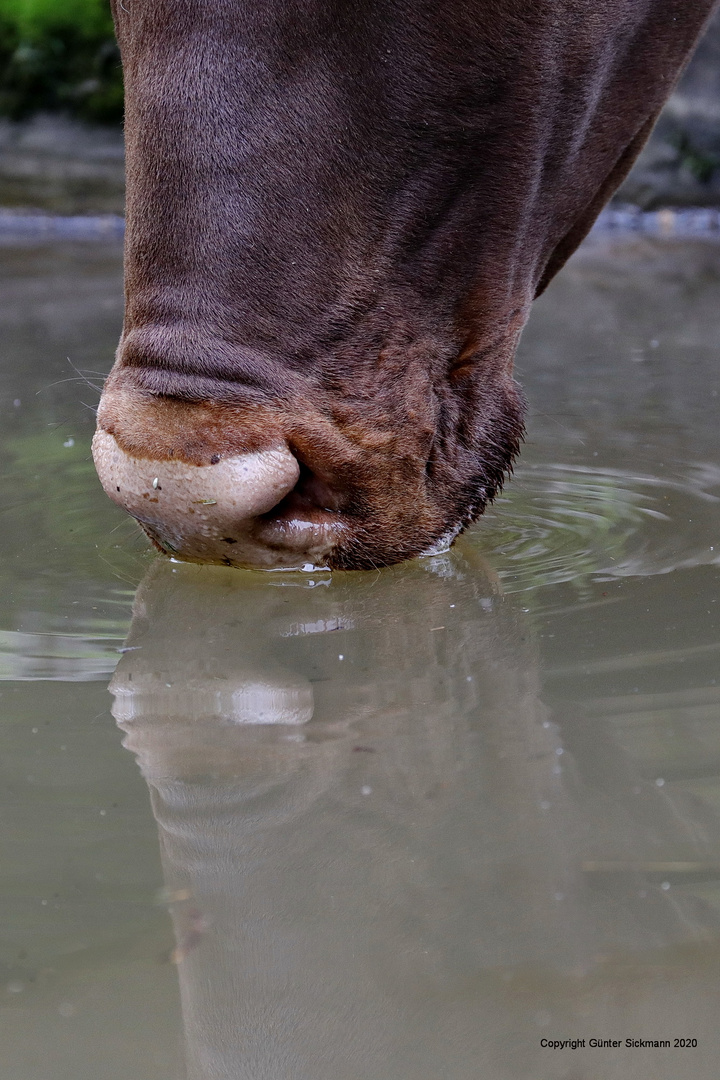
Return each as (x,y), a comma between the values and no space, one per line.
(299,534)
(306,519)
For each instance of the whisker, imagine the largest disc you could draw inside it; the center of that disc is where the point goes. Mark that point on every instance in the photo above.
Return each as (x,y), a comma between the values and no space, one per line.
(126,521)
(81,374)
(72,378)
(114,572)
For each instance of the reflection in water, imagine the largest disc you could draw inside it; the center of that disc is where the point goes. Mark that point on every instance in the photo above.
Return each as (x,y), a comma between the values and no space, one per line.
(380,858)
(427,905)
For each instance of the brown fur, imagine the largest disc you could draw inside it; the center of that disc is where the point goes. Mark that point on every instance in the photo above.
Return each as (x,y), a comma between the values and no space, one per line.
(338,216)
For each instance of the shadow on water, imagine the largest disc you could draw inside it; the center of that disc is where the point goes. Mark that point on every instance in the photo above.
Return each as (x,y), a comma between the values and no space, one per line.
(380,856)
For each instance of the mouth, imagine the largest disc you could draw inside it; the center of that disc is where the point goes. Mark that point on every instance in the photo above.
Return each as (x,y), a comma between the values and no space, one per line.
(287,505)
(272,544)
(297,525)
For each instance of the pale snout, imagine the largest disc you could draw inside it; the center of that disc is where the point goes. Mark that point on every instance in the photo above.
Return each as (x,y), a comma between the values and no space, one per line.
(218,513)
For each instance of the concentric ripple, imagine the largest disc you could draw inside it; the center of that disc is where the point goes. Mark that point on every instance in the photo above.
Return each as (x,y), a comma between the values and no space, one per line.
(561,523)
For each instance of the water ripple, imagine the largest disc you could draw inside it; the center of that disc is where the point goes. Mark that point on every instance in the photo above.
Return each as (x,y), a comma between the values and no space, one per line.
(561,523)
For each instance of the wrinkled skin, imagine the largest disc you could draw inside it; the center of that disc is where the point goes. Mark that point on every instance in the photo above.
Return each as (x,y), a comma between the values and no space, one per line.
(338,216)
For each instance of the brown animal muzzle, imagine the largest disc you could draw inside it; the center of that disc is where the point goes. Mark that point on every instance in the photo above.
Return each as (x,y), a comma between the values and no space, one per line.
(220,512)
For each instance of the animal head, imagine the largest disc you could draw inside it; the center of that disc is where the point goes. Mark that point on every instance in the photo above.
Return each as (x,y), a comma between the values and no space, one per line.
(337,219)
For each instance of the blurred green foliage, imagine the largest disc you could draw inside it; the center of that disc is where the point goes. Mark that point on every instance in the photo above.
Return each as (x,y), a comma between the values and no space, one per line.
(59,55)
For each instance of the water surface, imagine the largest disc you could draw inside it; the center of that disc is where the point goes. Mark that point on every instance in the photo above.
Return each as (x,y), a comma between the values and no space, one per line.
(405,824)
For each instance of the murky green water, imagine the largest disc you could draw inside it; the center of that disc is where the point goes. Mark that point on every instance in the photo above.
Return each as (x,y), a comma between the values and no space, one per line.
(394,826)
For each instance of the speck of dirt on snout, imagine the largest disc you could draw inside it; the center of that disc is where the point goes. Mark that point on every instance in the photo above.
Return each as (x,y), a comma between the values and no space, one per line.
(214,459)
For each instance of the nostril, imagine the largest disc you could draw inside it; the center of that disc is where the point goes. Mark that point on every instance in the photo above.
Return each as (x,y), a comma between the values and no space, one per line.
(312,498)
(317,490)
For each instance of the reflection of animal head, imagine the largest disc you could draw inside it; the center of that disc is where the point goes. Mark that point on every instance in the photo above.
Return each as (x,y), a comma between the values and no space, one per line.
(282,659)
(368,838)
